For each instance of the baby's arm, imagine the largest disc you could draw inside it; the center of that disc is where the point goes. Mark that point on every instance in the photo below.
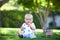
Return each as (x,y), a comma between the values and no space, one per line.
(20,33)
(32,26)
(20,29)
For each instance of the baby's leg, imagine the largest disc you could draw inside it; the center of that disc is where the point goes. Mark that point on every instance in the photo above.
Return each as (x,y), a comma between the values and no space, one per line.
(20,35)
(32,35)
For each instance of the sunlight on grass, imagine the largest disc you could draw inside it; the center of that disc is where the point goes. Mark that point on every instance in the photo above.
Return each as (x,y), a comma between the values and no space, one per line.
(11,34)
(55,30)
(6,30)
(38,30)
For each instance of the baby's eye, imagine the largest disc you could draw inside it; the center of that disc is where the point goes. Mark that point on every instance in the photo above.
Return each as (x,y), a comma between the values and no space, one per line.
(28,19)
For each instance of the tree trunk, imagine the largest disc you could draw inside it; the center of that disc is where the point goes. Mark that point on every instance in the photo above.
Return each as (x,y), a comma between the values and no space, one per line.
(53,16)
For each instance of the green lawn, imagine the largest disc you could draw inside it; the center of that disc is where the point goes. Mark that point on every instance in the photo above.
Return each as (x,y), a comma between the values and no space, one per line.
(11,34)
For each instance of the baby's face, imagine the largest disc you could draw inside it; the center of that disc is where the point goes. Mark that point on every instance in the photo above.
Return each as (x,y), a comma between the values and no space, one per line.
(28,20)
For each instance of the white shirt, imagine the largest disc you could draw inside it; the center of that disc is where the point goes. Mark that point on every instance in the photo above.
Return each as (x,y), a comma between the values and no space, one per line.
(27,29)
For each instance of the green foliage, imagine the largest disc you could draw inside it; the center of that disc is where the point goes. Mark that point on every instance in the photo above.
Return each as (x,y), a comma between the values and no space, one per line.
(56,4)
(36,21)
(12,2)
(53,4)
(11,18)
(26,3)
(15,18)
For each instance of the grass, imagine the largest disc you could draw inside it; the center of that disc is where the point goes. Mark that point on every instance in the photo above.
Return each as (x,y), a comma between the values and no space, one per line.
(11,34)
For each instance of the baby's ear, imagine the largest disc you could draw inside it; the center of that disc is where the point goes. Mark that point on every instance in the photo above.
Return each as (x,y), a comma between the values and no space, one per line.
(32,19)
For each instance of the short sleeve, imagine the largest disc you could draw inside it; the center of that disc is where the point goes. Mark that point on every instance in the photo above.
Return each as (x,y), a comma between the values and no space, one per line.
(23,24)
(22,27)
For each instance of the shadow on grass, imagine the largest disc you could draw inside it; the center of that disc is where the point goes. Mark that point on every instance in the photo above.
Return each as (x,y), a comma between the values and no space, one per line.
(55,36)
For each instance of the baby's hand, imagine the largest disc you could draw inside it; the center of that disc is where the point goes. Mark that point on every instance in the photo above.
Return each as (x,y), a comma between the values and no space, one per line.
(29,24)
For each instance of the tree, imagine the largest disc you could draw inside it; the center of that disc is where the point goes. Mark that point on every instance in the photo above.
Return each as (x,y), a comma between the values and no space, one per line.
(2,2)
(35,6)
(41,8)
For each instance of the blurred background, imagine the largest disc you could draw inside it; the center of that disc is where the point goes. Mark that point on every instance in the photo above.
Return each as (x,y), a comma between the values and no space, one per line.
(46,15)
(12,13)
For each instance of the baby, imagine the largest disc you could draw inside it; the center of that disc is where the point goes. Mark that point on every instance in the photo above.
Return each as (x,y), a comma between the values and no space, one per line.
(28,27)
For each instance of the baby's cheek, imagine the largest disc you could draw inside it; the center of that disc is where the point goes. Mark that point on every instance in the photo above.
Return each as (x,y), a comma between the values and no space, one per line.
(32,20)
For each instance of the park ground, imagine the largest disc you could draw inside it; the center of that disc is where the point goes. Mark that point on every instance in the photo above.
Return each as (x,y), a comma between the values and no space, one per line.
(12,34)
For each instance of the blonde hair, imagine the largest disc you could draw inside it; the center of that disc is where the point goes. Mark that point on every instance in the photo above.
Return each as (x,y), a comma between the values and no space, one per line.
(28,16)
